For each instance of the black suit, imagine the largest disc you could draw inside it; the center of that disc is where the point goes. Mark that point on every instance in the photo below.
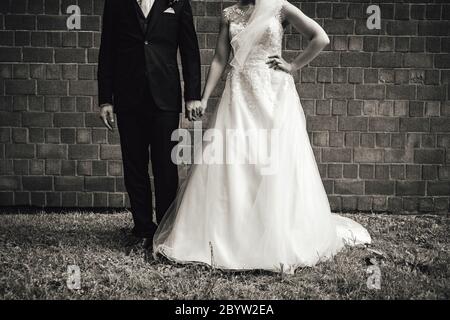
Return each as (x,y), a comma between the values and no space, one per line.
(138,74)
(128,54)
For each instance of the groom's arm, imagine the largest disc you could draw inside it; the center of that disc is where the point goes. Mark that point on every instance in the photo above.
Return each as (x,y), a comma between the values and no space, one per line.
(106,57)
(190,55)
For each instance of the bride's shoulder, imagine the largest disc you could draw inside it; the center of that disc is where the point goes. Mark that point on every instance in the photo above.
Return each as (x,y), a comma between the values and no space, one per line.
(229,12)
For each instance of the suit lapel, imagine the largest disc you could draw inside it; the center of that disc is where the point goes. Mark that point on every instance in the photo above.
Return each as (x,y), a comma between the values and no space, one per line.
(158,7)
(139,14)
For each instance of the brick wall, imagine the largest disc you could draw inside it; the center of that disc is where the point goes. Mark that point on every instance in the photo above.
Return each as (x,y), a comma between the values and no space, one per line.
(377,103)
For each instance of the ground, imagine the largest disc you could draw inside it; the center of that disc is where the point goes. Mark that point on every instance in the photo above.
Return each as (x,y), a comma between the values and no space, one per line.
(412,253)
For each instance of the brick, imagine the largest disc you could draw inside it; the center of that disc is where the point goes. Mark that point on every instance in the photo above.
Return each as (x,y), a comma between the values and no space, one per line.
(377,187)
(83,88)
(52,135)
(83,136)
(208,24)
(349,187)
(110,152)
(398,92)
(321,123)
(99,184)
(418,60)
(10,119)
(367,140)
(9,54)
(20,151)
(20,22)
(52,87)
(434,28)
(430,172)
(401,28)
(20,135)
(68,135)
(442,61)
(20,167)
(383,140)
(353,124)
(336,155)
(69,183)
(338,91)
(52,151)
(371,91)
(414,124)
(17,87)
(70,55)
(115,200)
(68,119)
(350,171)
(326,59)
(82,152)
(334,171)
(84,168)
(364,203)
(413,172)
(101,199)
(349,204)
(320,139)
(368,155)
(52,167)
(53,199)
(410,188)
(38,183)
(355,59)
(387,60)
(339,26)
(6,198)
(310,90)
(37,119)
(84,199)
(429,156)
(69,199)
(99,168)
(52,22)
(438,188)
(383,124)
(431,92)
(9,183)
(43,55)
(398,155)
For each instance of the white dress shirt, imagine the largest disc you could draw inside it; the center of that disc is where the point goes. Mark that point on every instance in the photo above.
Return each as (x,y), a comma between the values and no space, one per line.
(146,6)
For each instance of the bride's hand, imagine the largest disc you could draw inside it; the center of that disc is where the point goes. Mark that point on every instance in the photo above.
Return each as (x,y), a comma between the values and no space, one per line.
(200,110)
(278,63)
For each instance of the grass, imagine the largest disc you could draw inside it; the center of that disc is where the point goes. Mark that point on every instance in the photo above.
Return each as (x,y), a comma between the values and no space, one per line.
(412,253)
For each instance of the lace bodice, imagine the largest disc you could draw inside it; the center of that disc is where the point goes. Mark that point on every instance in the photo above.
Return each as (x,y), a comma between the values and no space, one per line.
(269,44)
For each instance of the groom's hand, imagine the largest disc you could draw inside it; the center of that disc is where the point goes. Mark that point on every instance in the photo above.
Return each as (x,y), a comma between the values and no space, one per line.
(107,115)
(194,110)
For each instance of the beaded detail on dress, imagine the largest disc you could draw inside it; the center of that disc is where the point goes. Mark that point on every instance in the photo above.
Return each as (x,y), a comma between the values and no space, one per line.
(269,44)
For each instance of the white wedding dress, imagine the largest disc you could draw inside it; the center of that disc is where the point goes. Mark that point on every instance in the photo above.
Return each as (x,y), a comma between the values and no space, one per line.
(237,216)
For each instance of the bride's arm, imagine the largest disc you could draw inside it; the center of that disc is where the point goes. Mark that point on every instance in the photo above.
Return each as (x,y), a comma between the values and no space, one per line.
(219,61)
(308,28)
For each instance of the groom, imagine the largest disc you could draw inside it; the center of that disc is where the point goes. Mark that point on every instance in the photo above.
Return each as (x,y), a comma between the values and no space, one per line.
(138,79)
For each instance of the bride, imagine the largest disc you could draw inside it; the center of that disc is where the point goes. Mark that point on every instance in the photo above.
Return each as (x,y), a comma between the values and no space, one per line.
(267,214)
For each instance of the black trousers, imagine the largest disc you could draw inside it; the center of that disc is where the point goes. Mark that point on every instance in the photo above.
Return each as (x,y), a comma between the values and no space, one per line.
(140,130)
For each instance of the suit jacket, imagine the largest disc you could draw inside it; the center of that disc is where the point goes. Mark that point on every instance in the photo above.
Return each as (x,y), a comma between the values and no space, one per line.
(131,57)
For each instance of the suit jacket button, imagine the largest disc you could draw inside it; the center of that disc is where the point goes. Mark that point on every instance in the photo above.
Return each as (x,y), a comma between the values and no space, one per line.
(146,43)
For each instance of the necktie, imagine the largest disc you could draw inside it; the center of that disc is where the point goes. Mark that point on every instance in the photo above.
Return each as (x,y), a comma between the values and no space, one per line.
(146,6)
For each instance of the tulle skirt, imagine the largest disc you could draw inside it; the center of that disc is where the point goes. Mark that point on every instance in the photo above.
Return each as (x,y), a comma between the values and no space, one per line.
(237,213)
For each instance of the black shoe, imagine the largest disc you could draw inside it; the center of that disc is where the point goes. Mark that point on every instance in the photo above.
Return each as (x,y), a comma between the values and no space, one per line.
(132,242)
(137,243)
(147,244)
